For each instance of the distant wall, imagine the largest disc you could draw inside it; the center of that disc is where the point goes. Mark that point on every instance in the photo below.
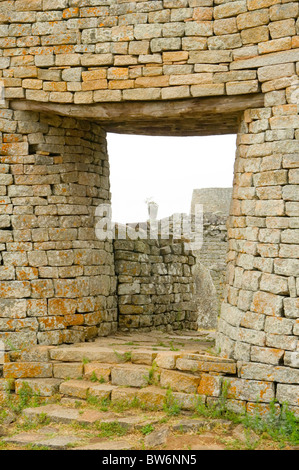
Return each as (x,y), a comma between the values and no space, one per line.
(209,271)
(214,200)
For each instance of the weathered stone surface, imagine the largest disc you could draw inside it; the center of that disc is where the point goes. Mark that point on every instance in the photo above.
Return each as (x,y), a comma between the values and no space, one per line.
(40,387)
(130,376)
(75,388)
(66,370)
(36,439)
(114,445)
(99,370)
(156,438)
(27,370)
(250,390)
(152,396)
(89,353)
(205,366)
(179,381)
(60,414)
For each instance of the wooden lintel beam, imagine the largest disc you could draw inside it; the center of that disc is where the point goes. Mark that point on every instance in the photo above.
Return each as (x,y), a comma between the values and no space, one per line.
(125,112)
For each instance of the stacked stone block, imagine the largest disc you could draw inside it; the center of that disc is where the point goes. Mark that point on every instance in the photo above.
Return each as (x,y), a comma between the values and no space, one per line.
(57,280)
(155,284)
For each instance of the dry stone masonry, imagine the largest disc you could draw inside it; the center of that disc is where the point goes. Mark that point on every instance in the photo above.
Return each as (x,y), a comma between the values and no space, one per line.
(155,284)
(56,279)
(74,69)
(210,267)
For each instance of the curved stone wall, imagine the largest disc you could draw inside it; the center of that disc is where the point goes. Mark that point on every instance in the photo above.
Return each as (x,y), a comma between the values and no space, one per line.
(171,62)
(94,51)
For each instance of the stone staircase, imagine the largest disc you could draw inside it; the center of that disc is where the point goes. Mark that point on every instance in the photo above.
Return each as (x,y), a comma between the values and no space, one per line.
(119,370)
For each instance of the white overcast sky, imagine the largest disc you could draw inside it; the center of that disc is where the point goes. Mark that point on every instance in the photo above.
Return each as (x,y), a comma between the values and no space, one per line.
(166,169)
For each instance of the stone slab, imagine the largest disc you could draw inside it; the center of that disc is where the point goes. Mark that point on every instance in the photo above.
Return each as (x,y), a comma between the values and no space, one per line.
(61,414)
(107,445)
(42,387)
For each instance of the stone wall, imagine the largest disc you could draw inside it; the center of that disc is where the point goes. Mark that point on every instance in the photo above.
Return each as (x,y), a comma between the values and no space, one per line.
(155,284)
(59,55)
(92,51)
(210,268)
(57,280)
(214,200)
(259,316)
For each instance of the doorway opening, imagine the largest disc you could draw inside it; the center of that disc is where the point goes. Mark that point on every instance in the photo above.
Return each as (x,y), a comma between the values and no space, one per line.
(177,173)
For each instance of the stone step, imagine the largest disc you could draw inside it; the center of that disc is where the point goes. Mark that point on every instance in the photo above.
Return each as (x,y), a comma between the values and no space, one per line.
(84,388)
(47,387)
(131,375)
(202,365)
(85,353)
(18,370)
(66,415)
(179,381)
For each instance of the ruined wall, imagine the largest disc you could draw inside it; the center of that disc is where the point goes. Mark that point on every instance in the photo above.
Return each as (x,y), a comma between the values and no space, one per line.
(155,284)
(57,280)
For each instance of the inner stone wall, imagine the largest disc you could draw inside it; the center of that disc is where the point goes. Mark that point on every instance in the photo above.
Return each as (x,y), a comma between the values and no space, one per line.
(209,270)
(57,280)
(155,284)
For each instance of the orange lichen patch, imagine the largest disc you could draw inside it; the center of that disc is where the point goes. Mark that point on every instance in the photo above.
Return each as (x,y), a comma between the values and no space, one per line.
(14,149)
(118,73)
(94,85)
(240,389)
(62,306)
(41,50)
(37,307)
(94,11)
(92,75)
(24,274)
(209,385)
(121,84)
(55,86)
(52,323)
(11,138)
(8,42)
(74,320)
(93,318)
(203,13)
(17,370)
(295,42)
(64,49)
(146,82)
(263,409)
(70,12)
(175,56)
